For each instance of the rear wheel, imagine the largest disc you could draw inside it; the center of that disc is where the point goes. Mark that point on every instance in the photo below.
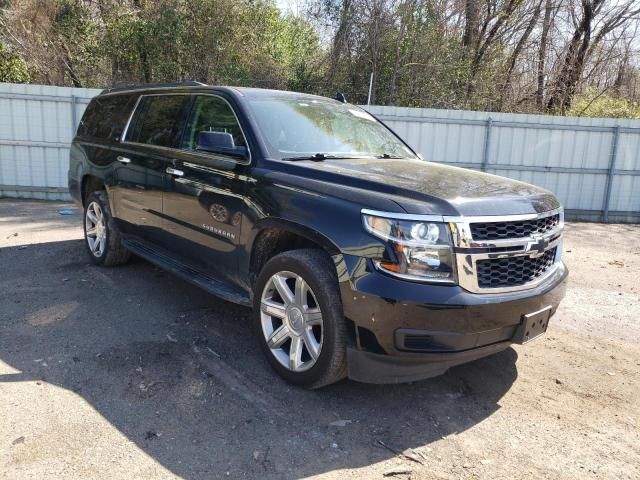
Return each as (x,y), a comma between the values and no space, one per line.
(101,233)
(299,318)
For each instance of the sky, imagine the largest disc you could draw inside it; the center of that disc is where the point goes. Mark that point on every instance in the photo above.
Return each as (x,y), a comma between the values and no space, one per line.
(289,6)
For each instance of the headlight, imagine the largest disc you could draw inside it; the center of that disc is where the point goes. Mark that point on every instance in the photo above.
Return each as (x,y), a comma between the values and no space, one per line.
(416,250)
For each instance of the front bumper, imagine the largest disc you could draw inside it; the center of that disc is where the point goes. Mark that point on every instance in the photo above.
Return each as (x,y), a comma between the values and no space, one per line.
(407,331)
(368,367)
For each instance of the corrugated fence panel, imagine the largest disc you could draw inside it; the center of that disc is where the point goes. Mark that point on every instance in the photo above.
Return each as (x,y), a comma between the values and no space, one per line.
(549,148)
(37,123)
(438,141)
(626,197)
(592,164)
(629,152)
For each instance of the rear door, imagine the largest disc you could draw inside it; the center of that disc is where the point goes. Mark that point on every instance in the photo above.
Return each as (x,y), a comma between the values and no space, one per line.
(204,203)
(100,130)
(152,136)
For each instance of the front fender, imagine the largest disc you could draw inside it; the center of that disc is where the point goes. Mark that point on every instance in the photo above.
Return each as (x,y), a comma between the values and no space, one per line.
(330,220)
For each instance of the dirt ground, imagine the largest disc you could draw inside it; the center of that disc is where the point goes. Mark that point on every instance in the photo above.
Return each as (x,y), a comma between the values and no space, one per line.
(131,373)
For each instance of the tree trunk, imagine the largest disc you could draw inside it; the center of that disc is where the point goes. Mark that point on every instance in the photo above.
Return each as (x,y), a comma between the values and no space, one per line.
(142,47)
(621,76)
(375,33)
(470,39)
(566,84)
(393,88)
(339,41)
(542,53)
(69,67)
(502,17)
(516,53)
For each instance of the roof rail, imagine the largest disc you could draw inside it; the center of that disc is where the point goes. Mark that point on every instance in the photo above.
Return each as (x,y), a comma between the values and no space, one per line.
(123,86)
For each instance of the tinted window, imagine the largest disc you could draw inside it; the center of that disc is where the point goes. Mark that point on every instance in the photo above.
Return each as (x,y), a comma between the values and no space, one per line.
(105,117)
(211,114)
(158,120)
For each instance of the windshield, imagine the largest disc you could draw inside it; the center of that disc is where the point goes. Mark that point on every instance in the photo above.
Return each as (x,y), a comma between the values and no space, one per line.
(301,127)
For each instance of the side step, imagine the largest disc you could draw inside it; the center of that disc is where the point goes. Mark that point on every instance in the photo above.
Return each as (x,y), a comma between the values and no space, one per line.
(162,259)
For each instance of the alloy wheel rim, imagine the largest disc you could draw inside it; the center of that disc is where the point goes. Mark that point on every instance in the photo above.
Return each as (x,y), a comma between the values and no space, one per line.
(95,229)
(291,321)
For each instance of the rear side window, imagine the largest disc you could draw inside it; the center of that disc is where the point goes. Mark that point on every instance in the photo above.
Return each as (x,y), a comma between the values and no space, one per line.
(211,114)
(105,117)
(158,120)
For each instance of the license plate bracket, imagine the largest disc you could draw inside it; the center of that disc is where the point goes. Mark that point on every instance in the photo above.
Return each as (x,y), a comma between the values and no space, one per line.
(532,326)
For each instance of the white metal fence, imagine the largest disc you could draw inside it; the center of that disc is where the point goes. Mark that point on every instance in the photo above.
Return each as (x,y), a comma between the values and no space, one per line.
(593,165)
(37,123)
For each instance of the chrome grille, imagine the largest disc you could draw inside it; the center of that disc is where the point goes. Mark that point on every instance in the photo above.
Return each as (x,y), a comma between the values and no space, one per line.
(517,229)
(498,254)
(513,271)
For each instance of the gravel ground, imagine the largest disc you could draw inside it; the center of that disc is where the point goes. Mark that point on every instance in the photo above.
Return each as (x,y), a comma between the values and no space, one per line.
(131,373)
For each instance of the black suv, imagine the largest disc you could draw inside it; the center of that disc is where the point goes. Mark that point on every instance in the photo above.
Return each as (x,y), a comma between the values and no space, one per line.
(359,258)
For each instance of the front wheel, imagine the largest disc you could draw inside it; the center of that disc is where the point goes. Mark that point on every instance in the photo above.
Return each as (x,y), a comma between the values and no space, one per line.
(299,318)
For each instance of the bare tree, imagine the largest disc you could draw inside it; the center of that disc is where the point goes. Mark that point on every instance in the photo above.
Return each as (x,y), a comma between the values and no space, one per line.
(583,43)
(549,9)
(517,51)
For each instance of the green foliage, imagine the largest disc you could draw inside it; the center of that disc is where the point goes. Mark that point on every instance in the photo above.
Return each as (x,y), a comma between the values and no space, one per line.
(604,106)
(415,49)
(13,69)
(416,64)
(295,45)
(437,74)
(75,34)
(213,41)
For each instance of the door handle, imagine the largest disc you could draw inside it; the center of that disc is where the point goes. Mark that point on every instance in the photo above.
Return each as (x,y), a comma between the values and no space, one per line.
(176,172)
(122,159)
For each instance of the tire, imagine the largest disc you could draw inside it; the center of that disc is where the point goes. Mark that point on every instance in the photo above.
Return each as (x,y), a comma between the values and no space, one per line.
(316,269)
(101,233)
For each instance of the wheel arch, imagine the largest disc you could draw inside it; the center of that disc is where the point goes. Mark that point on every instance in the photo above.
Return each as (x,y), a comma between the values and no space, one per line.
(88,184)
(273,236)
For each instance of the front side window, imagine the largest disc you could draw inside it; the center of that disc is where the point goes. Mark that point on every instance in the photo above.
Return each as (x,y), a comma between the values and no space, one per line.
(211,114)
(158,120)
(307,126)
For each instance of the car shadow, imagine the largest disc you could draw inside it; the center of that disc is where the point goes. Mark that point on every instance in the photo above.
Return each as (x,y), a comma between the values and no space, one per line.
(179,373)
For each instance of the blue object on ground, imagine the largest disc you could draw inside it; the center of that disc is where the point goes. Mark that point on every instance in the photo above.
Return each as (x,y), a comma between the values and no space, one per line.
(66,212)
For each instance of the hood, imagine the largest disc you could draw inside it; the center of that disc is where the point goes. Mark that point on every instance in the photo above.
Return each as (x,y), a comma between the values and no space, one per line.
(422,187)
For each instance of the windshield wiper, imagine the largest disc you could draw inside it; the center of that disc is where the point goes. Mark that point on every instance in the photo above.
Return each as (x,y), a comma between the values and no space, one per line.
(317,157)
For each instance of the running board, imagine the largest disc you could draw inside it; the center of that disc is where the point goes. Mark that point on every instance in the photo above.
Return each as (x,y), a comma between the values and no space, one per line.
(162,259)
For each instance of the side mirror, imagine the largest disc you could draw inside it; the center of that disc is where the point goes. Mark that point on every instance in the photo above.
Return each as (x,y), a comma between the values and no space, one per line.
(219,142)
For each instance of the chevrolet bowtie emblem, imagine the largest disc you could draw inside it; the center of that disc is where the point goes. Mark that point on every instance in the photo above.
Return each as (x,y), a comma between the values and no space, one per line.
(537,246)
